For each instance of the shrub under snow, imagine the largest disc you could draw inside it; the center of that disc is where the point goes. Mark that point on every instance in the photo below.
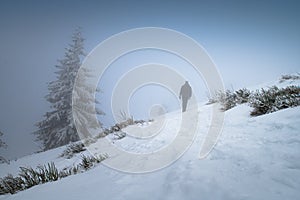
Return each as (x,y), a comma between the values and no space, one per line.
(290,77)
(73,149)
(273,99)
(29,177)
(263,101)
(230,99)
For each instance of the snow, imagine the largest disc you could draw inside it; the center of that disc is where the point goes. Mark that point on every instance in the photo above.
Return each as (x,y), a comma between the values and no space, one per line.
(256,158)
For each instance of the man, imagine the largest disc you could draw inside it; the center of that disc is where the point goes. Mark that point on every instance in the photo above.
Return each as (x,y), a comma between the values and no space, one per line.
(185,94)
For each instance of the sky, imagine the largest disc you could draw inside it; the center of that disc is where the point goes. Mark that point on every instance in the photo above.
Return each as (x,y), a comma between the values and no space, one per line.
(250,42)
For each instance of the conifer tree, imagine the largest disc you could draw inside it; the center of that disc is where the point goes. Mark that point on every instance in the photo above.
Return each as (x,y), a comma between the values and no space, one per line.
(57,128)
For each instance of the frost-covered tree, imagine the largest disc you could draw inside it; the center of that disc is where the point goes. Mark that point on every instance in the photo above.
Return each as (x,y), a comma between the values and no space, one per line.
(2,144)
(57,128)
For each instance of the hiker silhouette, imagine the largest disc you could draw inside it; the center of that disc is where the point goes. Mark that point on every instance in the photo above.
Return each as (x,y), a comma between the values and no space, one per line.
(185,94)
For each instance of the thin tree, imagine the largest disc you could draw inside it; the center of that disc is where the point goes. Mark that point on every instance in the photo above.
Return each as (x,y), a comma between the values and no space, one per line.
(3,145)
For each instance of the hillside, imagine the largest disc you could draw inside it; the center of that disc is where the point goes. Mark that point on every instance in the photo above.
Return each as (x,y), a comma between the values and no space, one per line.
(255,158)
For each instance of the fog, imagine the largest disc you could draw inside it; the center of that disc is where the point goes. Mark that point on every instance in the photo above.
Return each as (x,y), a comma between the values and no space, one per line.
(250,43)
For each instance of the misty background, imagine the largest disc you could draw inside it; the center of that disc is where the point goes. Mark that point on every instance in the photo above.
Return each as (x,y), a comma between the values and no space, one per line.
(250,43)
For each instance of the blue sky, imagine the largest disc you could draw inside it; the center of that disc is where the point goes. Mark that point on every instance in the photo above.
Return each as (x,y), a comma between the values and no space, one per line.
(250,41)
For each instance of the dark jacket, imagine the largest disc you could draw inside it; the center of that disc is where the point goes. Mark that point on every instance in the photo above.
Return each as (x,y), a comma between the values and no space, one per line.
(185,91)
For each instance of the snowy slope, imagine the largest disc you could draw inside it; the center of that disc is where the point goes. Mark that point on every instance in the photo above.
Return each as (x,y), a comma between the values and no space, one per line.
(255,158)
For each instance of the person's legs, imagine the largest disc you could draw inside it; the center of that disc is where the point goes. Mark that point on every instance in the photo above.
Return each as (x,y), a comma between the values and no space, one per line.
(184,104)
